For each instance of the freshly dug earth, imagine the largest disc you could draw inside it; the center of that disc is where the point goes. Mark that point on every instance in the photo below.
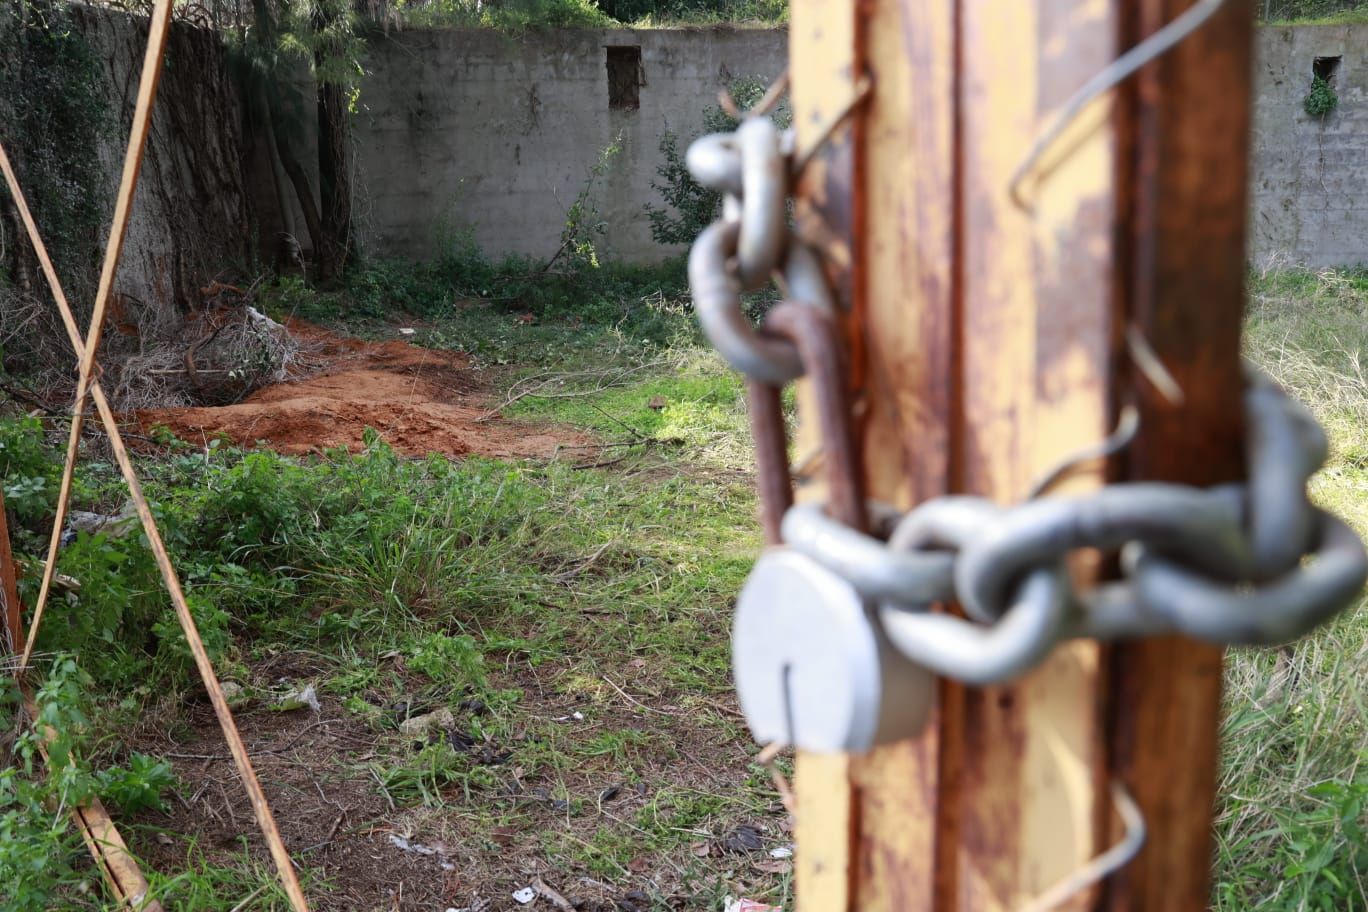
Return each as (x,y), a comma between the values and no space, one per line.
(418,400)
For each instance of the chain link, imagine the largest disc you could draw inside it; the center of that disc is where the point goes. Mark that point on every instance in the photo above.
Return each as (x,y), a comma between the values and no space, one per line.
(1251,563)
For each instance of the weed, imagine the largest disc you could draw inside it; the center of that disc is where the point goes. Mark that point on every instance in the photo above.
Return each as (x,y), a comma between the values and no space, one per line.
(201,885)
(1322,99)
(1296,719)
(37,843)
(620,746)
(1312,12)
(29,470)
(455,661)
(429,775)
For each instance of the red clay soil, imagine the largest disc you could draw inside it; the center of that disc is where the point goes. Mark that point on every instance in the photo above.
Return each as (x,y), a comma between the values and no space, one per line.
(420,401)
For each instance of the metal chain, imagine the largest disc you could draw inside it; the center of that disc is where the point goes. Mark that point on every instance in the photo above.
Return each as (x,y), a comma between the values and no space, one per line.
(1251,563)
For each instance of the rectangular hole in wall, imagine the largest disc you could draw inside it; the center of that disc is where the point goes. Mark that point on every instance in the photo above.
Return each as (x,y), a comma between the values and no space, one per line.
(624,77)
(1325,67)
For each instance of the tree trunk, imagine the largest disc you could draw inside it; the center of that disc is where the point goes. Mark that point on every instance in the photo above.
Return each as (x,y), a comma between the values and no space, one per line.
(334,182)
(299,178)
(264,24)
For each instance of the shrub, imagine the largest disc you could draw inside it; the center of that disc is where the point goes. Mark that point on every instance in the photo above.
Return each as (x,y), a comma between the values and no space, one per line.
(37,843)
(689,206)
(453,660)
(1321,100)
(28,471)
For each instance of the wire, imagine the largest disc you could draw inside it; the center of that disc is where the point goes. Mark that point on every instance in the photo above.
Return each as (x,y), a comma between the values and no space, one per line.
(1104,865)
(1153,47)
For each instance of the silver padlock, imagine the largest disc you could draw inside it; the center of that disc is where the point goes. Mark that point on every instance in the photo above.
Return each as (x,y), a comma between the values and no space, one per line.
(812,669)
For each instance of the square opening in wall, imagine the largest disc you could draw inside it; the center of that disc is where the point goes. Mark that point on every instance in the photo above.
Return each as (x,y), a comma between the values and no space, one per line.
(625,77)
(1325,67)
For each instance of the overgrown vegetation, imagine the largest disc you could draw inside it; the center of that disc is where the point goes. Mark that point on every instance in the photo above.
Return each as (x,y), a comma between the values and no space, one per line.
(1322,99)
(655,12)
(1312,12)
(51,116)
(448,583)
(1295,770)
(46,777)
(516,15)
(516,594)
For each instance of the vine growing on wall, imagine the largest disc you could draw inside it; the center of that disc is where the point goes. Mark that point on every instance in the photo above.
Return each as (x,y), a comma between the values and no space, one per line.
(1322,99)
(52,115)
(689,206)
(52,119)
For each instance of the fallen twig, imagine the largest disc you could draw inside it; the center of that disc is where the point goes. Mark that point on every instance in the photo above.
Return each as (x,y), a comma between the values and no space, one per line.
(256,752)
(545,892)
(635,702)
(534,392)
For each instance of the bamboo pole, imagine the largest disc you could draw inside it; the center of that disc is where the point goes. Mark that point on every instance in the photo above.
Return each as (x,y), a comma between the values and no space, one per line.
(987,339)
(86,351)
(9,588)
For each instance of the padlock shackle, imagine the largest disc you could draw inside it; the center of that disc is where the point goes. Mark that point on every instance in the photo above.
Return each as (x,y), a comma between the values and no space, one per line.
(813,332)
(766,410)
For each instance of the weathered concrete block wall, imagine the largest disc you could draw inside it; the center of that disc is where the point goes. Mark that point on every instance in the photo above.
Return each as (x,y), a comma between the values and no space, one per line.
(497,134)
(1309,198)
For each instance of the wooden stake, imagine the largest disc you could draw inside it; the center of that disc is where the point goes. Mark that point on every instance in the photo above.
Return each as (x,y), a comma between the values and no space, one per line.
(988,342)
(9,589)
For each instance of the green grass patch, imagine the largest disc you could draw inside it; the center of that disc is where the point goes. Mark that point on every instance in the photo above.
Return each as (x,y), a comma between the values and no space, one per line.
(1293,780)
(1342,17)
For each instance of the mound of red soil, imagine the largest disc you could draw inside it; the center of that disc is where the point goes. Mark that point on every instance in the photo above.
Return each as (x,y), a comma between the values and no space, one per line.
(418,400)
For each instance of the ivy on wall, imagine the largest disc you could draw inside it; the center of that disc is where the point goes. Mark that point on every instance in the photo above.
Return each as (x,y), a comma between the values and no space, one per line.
(52,115)
(689,206)
(1321,100)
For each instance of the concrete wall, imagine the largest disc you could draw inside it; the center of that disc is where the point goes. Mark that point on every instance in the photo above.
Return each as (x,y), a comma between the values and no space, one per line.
(1309,194)
(478,130)
(495,133)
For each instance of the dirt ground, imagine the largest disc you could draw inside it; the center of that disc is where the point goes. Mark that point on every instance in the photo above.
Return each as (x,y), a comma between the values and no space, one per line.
(419,400)
(359,848)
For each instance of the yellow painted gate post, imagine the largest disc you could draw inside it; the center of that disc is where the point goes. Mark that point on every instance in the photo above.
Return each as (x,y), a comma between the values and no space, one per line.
(987,341)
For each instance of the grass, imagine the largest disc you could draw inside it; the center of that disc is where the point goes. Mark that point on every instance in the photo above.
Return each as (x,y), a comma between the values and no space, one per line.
(572,616)
(1343,17)
(1294,772)
(539,14)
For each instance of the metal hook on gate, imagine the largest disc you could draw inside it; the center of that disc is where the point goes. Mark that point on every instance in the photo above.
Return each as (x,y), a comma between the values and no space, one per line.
(1120,69)
(1104,865)
(812,332)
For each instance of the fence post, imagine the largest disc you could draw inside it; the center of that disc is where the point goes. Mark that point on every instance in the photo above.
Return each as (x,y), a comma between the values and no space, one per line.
(988,341)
